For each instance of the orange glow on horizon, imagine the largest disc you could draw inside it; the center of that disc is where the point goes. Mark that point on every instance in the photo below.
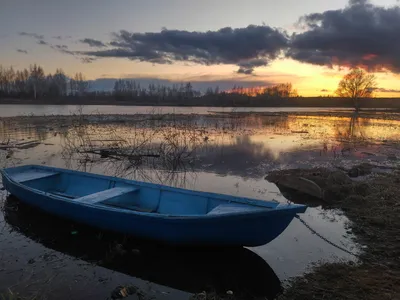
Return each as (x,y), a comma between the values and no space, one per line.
(283,90)
(309,80)
(369,57)
(249,91)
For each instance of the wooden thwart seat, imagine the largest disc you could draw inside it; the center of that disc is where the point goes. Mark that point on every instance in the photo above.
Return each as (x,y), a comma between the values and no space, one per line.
(132,207)
(106,195)
(57,193)
(234,208)
(32,175)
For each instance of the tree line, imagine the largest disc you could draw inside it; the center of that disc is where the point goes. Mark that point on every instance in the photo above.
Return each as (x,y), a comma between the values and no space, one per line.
(34,83)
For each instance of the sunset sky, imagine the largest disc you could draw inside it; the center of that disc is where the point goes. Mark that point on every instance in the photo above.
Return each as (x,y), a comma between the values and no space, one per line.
(310,43)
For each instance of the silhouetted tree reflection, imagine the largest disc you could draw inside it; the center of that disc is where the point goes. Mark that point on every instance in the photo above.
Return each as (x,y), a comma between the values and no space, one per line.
(14,131)
(354,132)
(235,158)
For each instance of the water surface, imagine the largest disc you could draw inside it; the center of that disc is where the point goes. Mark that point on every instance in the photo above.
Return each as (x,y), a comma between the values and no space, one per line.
(11,110)
(223,155)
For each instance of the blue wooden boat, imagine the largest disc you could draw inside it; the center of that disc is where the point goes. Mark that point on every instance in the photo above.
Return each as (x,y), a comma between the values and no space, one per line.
(150,211)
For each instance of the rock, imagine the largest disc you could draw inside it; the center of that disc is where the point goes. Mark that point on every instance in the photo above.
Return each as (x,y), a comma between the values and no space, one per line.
(122,292)
(302,185)
(392,157)
(31,261)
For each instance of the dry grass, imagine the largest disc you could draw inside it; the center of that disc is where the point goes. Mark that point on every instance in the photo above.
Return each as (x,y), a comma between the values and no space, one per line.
(169,142)
(344,281)
(373,207)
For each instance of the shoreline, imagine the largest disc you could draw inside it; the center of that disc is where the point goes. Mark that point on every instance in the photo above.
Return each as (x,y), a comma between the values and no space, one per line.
(372,205)
(298,102)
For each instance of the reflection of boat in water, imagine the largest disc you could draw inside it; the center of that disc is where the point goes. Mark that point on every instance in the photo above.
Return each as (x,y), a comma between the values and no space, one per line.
(188,269)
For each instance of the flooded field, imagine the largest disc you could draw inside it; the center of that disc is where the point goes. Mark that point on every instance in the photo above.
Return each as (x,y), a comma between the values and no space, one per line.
(224,153)
(12,110)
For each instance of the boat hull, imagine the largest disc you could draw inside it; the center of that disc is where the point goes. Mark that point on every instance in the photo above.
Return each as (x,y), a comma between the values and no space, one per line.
(231,230)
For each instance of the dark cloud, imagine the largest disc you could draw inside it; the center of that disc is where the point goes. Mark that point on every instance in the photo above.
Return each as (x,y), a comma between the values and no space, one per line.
(22,51)
(93,43)
(383,90)
(57,47)
(245,71)
(38,37)
(107,84)
(60,47)
(32,35)
(62,37)
(248,48)
(360,35)
(247,67)
(87,60)
(324,90)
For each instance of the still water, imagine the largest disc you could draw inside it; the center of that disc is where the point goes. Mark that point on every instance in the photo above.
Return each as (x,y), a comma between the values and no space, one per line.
(11,110)
(207,153)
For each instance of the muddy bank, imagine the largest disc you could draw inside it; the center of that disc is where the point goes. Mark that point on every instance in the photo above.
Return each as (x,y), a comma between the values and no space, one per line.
(372,205)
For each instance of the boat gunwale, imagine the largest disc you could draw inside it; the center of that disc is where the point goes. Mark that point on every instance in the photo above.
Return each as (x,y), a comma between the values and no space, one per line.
(271,207)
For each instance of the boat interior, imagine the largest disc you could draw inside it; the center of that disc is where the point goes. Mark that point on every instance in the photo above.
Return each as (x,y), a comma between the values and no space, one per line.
(97,190)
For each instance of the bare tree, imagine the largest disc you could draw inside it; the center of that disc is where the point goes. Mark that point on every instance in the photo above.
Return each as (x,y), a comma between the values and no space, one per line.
(79,86)
(37,80)
(22,83)
(60,80)
(357,84)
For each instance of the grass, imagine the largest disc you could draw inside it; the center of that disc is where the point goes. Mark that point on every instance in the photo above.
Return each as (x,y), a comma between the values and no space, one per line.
(345,281)
(373,207)
(214,296)
(10,296)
